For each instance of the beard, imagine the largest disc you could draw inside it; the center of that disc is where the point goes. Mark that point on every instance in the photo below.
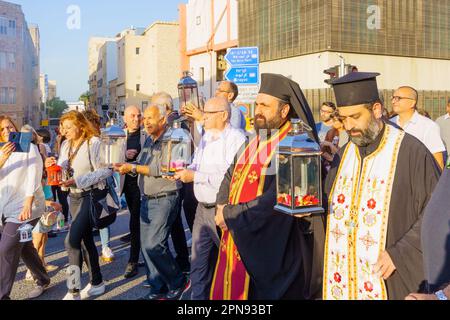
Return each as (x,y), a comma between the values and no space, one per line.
(261,123)
(367,136)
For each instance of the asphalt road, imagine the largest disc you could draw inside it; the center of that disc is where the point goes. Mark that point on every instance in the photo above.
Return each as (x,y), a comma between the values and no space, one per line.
(117,287)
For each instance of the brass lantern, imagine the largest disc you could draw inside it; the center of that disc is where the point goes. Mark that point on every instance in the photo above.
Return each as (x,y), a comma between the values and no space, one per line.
(188,90)
(113,146)
(299,174)
(175,150)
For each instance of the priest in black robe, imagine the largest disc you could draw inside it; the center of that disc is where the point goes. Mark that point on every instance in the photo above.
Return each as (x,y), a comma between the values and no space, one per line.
(410,175)
(264,254)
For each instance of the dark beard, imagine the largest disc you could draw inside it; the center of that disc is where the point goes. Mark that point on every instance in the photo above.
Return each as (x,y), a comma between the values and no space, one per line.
(263,124)
(368,136)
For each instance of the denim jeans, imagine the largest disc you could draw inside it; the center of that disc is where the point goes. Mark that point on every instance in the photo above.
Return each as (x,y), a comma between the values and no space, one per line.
(157,217)
(105,237)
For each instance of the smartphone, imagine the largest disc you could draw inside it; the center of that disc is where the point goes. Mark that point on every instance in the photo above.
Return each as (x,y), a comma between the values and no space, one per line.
(22,140)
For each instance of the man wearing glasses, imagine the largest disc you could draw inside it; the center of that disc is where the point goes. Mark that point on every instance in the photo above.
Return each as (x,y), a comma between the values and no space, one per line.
(327,111)
(230,92)
(404,103)
(212,159)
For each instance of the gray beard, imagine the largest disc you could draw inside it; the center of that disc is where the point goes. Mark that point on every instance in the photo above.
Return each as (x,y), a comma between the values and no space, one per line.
(368,136)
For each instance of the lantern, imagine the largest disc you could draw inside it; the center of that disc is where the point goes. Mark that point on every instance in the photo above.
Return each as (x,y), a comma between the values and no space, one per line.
(299,176)
(175,150)
(25,233)
(113,146)
(54,175)
(188,90)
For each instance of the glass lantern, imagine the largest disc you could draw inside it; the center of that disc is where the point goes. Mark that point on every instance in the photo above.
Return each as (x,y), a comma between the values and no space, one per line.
(188,90)
(299,176)
(175,150)
(54,175)
(114,143)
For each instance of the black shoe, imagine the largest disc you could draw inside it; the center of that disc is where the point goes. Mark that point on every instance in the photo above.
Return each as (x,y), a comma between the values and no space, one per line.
(153,296)
(126,238)
(96,232)
(131,271)
(177,293)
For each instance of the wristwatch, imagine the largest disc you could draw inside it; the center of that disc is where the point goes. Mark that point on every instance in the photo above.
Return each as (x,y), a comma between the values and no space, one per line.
(441,295)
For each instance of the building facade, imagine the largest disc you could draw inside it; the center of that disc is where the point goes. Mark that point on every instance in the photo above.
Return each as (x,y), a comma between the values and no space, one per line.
(407,41)
(100,53)
(207,29)
(148,62)
(19,66)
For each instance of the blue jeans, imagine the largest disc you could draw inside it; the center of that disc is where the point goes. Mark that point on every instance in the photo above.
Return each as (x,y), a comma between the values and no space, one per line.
(157,217)
(105,237)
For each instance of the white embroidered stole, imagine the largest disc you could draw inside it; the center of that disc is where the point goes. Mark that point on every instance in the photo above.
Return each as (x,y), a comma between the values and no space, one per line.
(357,222)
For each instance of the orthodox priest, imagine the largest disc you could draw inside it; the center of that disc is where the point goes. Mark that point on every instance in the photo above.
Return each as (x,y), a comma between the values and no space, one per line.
(378,188)
(265,255)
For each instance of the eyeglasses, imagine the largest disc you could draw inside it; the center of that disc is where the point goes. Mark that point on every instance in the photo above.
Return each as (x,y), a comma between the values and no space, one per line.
(223,91)
(213,112)
(398,98)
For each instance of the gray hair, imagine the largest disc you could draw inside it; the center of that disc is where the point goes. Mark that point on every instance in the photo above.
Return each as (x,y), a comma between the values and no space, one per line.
(163,98)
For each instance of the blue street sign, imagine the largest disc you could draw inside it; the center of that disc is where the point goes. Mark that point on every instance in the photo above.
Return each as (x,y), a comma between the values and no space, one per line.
(245,56)
(243,75)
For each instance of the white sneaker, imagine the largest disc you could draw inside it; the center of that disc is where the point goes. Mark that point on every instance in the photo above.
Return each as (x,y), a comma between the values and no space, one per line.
(107,255)
(70,296)
(92,291)
(29,276)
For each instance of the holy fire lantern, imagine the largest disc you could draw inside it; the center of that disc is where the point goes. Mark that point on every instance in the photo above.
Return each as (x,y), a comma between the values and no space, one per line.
(113,146)
(175,150)
(299,176)
(54,175)
(188,90)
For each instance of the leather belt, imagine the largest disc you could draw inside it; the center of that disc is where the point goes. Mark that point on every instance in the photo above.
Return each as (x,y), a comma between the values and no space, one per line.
(207,205)
(160,195)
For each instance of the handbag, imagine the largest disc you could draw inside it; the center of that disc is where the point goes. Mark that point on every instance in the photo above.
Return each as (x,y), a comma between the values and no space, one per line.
(104,203)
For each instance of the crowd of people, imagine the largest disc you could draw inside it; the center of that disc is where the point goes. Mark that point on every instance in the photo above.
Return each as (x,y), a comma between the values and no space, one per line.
(384,234)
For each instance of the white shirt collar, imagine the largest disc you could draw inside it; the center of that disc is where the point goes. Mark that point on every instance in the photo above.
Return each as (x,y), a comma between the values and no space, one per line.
(447,116)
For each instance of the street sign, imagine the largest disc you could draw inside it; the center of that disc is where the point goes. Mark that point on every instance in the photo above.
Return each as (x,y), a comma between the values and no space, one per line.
(245,56)
(44,123)
(243,75)
(247,94)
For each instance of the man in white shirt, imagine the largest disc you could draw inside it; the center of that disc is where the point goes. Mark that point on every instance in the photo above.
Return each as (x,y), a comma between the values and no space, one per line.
(444,124)
(212,159)
(404,102)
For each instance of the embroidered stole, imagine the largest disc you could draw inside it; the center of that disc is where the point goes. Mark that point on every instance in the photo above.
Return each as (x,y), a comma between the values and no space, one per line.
(231,280)
(357,222)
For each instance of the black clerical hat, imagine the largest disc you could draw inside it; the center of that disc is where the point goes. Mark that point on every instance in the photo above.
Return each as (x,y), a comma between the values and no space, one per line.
(283,88)
(356,88)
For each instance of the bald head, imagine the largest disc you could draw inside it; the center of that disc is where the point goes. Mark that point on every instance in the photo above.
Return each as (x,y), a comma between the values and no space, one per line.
(132,118)
(404,101)
(217,114)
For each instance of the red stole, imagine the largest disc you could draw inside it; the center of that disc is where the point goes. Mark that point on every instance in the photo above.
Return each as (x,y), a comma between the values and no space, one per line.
(231,280)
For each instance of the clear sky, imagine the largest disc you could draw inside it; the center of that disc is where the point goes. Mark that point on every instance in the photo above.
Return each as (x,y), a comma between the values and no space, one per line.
(64,50)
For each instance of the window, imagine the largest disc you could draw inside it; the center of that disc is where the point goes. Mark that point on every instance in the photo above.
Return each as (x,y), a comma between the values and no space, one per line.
(202,77)
(3,26)
(138,87)
(12,95)
(138,50)
(3,95)
(11,60)
(2,60)
(7,95)
(144,105)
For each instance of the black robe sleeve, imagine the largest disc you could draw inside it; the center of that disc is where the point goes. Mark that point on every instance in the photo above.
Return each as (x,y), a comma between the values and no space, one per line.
(416,177)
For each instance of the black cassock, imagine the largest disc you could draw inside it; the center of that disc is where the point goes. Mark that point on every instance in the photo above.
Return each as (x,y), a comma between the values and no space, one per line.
(276,249)
(416,176)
